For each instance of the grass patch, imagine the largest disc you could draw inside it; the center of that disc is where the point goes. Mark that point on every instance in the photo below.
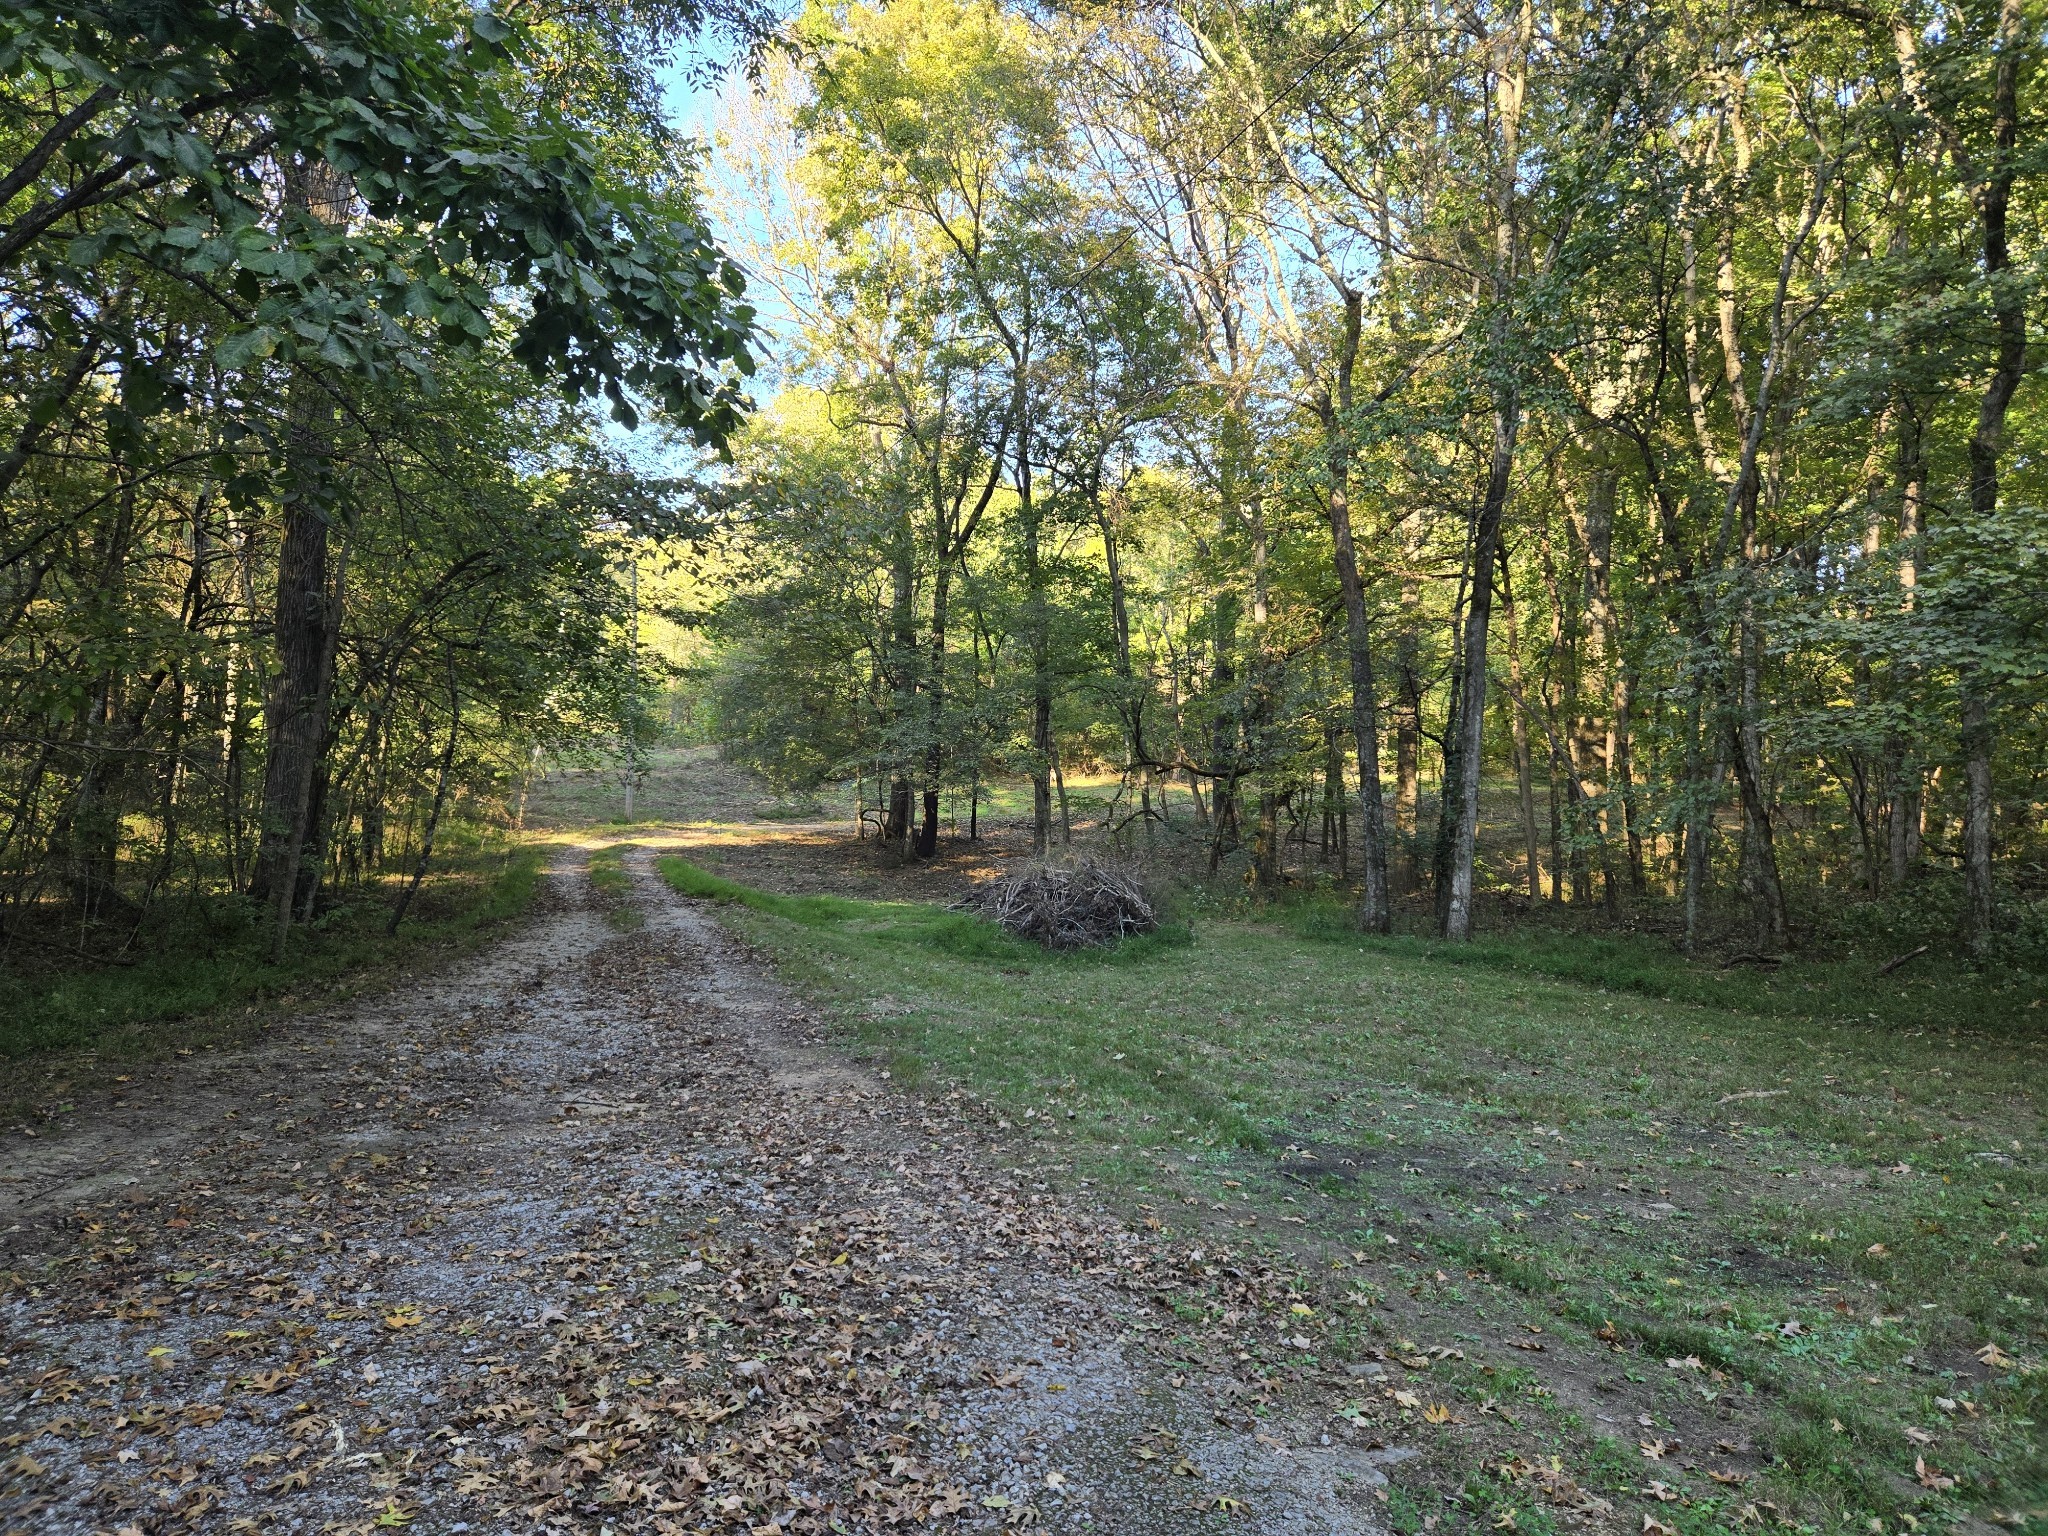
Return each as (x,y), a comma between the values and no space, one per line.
(208,978)
(1936,993)
(1645,1179)
(963,934)
(613,886)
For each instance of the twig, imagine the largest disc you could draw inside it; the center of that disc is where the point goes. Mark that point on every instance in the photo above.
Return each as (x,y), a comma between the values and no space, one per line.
(1898,960)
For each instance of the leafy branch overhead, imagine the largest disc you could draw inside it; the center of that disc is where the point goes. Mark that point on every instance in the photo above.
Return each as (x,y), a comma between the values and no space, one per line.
(453,198)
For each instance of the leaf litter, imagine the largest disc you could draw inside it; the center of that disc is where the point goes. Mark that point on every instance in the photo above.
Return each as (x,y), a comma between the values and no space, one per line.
(596,1234)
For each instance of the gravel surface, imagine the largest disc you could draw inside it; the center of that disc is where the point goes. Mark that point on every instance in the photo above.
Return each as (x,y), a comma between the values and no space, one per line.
(598,1233)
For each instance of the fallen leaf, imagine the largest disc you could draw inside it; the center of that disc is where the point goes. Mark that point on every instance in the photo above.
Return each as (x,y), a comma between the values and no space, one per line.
(1931,1476)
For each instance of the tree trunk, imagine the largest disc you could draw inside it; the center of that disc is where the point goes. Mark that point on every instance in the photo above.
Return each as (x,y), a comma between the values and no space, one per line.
(1622,754)
(935,709)
(1993,207)
(1519,726)
(1704,789)
(1375,913)
(1041,664)
(1470,723)
(419,869)
(306,620)
(903,682)
(1468,732)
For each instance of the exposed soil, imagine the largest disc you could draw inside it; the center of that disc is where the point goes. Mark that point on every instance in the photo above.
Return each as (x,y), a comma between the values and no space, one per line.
(596,1232)
(818,858)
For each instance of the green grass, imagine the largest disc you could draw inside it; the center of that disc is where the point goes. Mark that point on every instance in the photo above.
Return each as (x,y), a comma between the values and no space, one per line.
(1880,1183)
(211,977)
(613,887)
(1932,992)
(915,923)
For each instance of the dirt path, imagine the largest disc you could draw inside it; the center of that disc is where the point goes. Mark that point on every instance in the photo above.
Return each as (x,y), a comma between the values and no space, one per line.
(595,1233)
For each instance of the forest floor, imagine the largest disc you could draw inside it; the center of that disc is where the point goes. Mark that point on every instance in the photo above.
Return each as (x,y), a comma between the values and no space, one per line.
(599,1232)
(831,1211)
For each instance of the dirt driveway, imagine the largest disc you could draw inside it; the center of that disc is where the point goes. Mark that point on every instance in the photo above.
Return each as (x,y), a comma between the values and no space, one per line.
(596,1233)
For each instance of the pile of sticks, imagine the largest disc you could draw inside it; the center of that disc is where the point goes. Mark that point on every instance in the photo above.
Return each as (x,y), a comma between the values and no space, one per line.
(1066,906)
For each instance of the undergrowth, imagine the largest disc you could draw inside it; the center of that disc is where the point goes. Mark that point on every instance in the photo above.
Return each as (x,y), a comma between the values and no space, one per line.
(1934,992)
(209,986)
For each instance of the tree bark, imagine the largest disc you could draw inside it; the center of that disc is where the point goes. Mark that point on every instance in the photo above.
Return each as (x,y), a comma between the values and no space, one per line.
(1994,200)
(903,682)
(1519,727)
(306,619)
(1041,676)
(935,709)
(1375,912)
(419,869)
(1408,711)
(1470,725)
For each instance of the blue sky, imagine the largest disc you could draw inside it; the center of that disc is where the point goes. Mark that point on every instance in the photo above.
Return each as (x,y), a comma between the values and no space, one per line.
(693,109)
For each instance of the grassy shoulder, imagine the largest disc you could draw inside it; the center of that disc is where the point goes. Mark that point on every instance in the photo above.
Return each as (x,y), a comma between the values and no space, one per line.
(1937,992)
(1731,1264)
(211,982)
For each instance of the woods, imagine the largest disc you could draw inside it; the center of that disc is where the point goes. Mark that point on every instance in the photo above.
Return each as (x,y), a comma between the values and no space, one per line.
(1609,427)
(302,520)
(930,763)
(1607,424)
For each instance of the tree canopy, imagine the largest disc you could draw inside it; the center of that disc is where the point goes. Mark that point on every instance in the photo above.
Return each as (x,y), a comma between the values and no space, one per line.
(1621,408)
(302,523)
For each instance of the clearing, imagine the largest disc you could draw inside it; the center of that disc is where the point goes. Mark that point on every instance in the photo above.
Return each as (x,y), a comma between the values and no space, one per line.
(839,1212)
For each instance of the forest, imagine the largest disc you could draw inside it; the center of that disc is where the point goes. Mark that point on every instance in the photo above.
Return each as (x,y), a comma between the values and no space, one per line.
(1605,423)
(307,534)
(1125,766)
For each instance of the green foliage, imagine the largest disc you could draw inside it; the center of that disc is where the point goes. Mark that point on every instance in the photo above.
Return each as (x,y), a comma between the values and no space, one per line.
(462,190)
(208,980)
(1715,336)
(356,266)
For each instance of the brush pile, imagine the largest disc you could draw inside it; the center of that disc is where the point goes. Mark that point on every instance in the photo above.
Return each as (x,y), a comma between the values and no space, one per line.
(1066,906)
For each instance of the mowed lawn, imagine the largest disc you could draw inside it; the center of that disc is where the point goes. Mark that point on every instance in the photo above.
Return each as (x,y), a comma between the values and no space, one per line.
(1730,1269)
